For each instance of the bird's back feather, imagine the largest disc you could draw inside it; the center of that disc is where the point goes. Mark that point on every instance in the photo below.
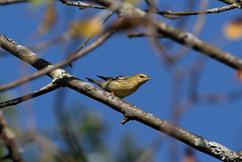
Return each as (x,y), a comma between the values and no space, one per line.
(104,77)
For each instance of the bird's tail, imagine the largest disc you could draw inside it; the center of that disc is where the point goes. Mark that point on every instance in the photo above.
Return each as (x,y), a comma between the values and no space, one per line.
(95,81)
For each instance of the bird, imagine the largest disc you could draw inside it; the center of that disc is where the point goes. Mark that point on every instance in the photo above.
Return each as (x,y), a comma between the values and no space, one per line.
(121,86)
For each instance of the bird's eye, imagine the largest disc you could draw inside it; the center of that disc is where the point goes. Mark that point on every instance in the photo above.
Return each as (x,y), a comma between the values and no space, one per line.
(142,76)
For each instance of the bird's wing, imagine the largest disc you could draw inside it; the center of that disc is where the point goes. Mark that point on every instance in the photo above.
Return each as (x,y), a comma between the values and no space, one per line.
(112,78)
(121,77)
(104,77)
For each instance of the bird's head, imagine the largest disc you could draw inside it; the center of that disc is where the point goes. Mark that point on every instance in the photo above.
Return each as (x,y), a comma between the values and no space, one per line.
(141,78)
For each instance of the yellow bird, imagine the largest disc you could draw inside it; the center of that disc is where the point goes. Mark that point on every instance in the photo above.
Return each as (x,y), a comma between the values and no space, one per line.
(121,86)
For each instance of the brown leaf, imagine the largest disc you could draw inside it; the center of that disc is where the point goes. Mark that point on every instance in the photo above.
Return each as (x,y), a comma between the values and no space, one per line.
(239,75)
(49,19)
(189,156)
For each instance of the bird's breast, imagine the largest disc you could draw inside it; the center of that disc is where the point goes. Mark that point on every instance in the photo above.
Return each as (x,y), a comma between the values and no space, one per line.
(121,88)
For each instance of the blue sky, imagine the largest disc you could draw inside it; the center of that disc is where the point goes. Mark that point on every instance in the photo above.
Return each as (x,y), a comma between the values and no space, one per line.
(123,56)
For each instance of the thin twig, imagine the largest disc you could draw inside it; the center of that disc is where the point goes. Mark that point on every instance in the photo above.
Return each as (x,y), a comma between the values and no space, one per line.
(81,5)
(8,2)
(208,11)
(44,90)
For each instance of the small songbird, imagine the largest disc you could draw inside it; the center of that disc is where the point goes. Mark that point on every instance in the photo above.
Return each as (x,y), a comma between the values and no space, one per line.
(121,86)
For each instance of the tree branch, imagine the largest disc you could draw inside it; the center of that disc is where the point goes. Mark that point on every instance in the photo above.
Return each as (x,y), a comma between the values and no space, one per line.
(46,89)
(207,11)
(8,2)
(81,5)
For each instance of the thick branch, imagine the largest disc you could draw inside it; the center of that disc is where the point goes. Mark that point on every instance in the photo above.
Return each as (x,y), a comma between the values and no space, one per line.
(132,112)
(195,43)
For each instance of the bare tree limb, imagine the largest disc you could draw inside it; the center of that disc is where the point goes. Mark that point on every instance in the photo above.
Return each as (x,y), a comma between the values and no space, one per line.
(193,42)
(8,2)
(81,5)
(207,11)
(134,113)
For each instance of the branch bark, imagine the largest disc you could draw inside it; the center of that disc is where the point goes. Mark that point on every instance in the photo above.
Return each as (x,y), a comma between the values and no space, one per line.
(8,2)
(44,90)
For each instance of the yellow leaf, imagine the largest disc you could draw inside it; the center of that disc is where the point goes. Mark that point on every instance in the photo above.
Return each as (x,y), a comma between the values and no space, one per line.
(86,28)
(133,2)
(233,30)
(37,2)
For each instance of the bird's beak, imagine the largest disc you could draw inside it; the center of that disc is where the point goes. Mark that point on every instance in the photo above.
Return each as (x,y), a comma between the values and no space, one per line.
(149,78)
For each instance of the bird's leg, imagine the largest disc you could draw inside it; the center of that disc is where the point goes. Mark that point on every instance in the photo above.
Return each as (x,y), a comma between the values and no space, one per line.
(113,94)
